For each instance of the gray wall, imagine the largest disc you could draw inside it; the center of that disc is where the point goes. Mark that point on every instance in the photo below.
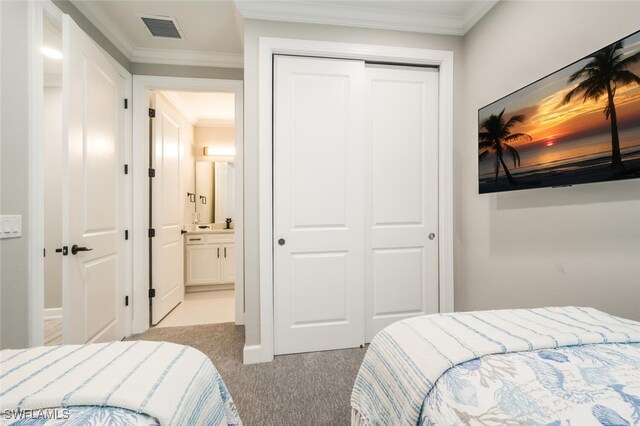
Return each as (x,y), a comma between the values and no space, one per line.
(186,71)
(255,29)
(566,246)
(14,312)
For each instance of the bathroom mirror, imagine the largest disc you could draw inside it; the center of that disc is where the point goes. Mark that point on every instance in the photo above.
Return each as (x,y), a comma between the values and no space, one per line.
(214,191)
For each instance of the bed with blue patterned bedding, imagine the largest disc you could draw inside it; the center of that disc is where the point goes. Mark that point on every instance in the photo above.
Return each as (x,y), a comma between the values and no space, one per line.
(580,385)
(116,383)
(552,366)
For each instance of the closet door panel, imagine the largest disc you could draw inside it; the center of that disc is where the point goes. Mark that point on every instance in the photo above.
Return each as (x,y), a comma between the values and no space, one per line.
(402,195)
(318,204)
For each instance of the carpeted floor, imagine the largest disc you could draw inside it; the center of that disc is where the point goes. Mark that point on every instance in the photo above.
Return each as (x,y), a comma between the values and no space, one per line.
(303,389)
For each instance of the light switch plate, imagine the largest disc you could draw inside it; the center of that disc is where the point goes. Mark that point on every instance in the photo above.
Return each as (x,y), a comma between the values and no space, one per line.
(10,226)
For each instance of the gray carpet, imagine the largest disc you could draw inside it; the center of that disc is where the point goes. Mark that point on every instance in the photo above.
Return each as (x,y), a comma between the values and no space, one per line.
(303,389)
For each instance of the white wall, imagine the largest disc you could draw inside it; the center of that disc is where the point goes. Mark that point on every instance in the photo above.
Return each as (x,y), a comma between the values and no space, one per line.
(567,246)
(255,29)
(53,196)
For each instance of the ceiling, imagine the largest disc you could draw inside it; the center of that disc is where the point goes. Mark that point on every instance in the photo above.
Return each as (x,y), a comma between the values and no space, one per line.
(205,109)
(213,30)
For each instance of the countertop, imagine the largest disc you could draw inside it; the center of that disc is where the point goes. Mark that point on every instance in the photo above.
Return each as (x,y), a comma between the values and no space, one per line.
(214,229)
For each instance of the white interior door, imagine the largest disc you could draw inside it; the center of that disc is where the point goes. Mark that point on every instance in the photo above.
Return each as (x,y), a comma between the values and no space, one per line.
(167,265)
(93,204)
(402,194)
(318,199)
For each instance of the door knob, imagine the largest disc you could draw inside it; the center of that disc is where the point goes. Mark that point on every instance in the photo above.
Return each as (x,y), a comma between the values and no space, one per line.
(75,249)
(432,236)
(281,241)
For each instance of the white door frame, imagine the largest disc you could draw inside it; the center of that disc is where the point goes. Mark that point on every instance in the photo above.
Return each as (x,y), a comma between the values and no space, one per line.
(36,214)
(142,84)
(267,48)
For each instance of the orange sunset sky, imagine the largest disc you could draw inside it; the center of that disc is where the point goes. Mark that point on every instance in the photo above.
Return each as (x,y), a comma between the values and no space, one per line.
(546,120)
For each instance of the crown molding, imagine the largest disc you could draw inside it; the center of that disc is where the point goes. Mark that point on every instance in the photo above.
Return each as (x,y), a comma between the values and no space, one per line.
(315,12)
(475,13)
(187,57)
(92,11)
(105,25)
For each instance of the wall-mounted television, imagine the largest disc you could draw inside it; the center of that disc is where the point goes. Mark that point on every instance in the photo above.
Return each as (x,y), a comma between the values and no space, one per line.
(580,124)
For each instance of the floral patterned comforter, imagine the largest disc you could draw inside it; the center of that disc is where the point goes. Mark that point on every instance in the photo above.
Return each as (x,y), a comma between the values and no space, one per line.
(596,384)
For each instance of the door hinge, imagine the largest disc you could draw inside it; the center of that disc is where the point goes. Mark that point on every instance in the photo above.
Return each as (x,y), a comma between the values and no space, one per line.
(126,169)
(152,293)
(126,234)
(126,104)
(126,301)
(152,232)
(152,113)
(152,173)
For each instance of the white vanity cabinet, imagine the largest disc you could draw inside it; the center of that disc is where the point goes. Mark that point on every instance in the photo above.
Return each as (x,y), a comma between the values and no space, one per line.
(210,259)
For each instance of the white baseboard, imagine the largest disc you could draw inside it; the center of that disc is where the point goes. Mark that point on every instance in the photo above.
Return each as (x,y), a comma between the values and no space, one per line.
(52,313)
(208,287)
(252,354)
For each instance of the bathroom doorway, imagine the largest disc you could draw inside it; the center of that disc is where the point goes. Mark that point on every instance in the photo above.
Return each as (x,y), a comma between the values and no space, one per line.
(193,149)
(192,187)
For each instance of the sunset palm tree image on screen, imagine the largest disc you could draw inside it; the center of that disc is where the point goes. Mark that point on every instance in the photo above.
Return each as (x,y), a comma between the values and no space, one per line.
(580,124)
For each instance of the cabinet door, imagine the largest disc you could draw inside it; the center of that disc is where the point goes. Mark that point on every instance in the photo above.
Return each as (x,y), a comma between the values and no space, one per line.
(228,257)
(204,264)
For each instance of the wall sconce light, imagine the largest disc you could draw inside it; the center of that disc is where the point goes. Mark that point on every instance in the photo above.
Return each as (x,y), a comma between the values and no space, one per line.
(221,154)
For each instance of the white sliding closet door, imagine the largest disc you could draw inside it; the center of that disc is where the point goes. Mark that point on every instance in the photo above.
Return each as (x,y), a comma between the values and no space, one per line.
(167,210)
(355,200)
(318,199)
(93,200)
(402,194)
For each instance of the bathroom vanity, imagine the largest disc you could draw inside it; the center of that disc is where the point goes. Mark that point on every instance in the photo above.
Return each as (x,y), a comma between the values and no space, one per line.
(209,259)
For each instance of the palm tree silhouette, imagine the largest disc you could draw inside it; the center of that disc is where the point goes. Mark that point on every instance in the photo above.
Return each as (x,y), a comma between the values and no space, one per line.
(603,74)
(496,137)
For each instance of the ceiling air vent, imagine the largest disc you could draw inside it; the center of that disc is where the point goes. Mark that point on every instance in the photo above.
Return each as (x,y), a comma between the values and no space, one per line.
(162,26)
